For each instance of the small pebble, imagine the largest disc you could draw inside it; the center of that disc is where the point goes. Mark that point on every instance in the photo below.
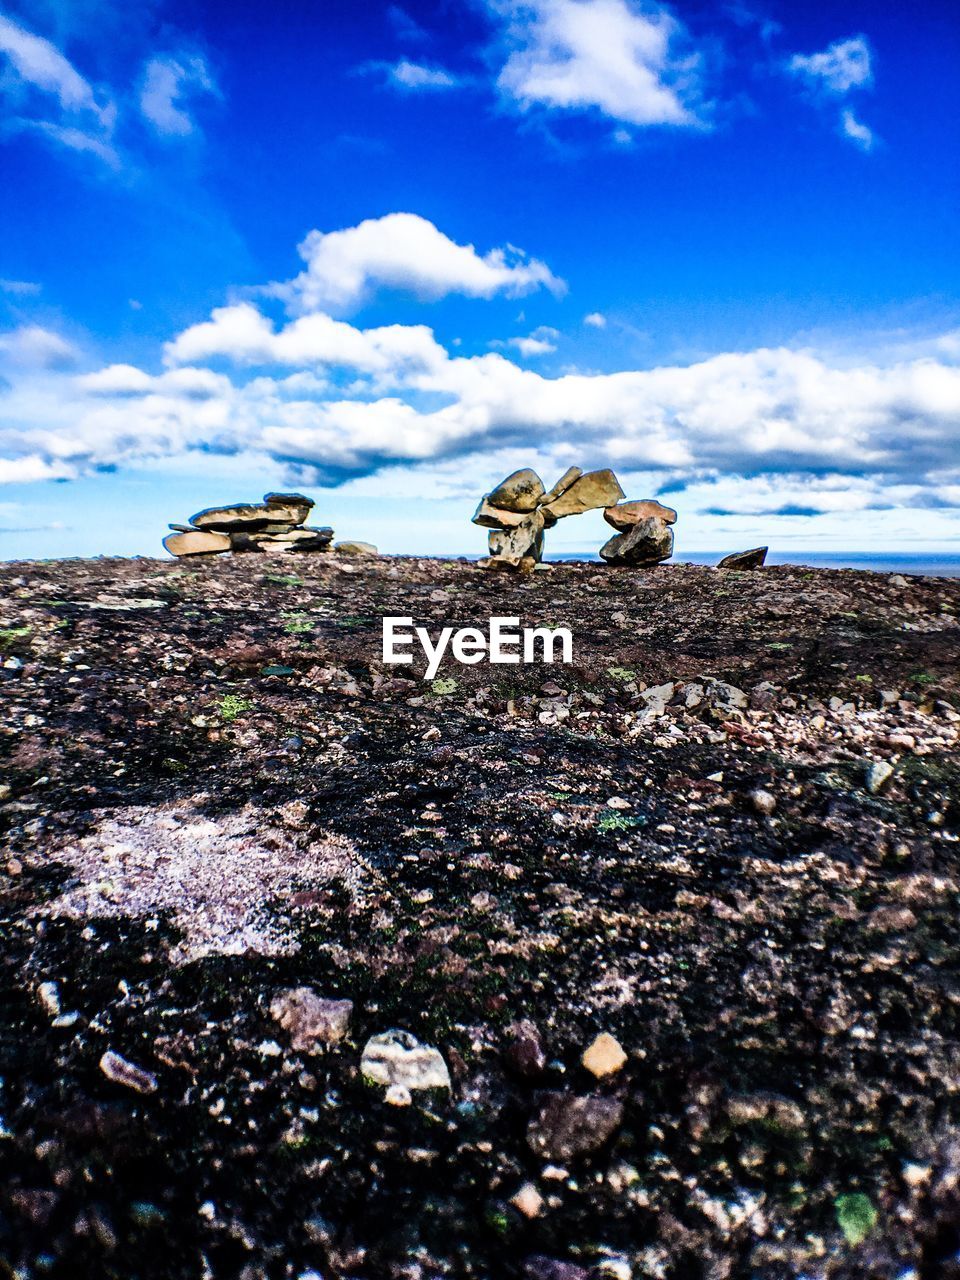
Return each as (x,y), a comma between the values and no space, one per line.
(763,801)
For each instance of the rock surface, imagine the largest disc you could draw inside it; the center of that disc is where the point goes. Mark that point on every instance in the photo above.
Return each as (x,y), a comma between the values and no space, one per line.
(227,794)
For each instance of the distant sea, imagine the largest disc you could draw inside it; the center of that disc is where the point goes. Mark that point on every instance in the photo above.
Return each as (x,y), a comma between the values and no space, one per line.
(930,563)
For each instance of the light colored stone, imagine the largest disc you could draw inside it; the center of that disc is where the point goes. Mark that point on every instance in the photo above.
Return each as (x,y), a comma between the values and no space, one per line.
(491,517)
(647,543)
(197,542)
(626,514)
(563,484)
(592,490)
(356,548)
(120,1071)
(521,491)
(764,802)
(398,1058)
(604,1057)
(528,1201)
(878,775)
(311,1020)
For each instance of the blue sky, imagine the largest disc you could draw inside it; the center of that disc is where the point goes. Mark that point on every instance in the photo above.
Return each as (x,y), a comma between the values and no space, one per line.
(386,253)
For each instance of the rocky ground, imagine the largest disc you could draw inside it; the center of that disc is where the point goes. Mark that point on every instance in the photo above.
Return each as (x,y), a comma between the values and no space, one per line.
(725,840)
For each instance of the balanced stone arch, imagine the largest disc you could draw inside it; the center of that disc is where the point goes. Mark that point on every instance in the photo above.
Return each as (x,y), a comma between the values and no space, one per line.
(520,509)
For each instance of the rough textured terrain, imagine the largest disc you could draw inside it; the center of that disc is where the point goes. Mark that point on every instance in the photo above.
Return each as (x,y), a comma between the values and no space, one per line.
(726,837)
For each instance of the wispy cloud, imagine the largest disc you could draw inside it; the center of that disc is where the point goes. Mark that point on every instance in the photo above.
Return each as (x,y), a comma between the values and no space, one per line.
(170,84)
(855,130)
(20,288)
(48,95)
(415,77)
(843,67)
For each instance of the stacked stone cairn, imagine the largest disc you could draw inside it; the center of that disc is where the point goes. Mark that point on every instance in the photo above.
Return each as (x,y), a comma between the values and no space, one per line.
(274,525)
(644,536)
(519,509)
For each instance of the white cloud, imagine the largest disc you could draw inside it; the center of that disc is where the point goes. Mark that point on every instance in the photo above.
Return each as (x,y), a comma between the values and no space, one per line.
(764,412)
(539,343)
(81,123)
(39,63)
(611,56)
(407,252)
(415,76)
(20,288)
(169,83)
(842,66)
(242,335)
(35,347)
(856,131)
(596,320)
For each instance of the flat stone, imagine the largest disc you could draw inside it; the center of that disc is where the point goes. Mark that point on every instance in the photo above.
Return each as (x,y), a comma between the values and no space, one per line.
(520,491)
(490,517)
(604,1057)
(626,514)
(398,1058)
(649,542)
(589,491)
(288,500)
(568,1124)
(563,484)
(120,1071)
(311,1020)
(356,548)
(196,542)
(752,559)
(254,516)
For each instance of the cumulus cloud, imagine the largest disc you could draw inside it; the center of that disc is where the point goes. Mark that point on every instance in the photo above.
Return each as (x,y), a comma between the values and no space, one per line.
(37,348)
(407,400)
(78,118)
(842,66)
(406,252)
(596,320)
(414,77)
(626,61)
(170,83)
(242,335)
